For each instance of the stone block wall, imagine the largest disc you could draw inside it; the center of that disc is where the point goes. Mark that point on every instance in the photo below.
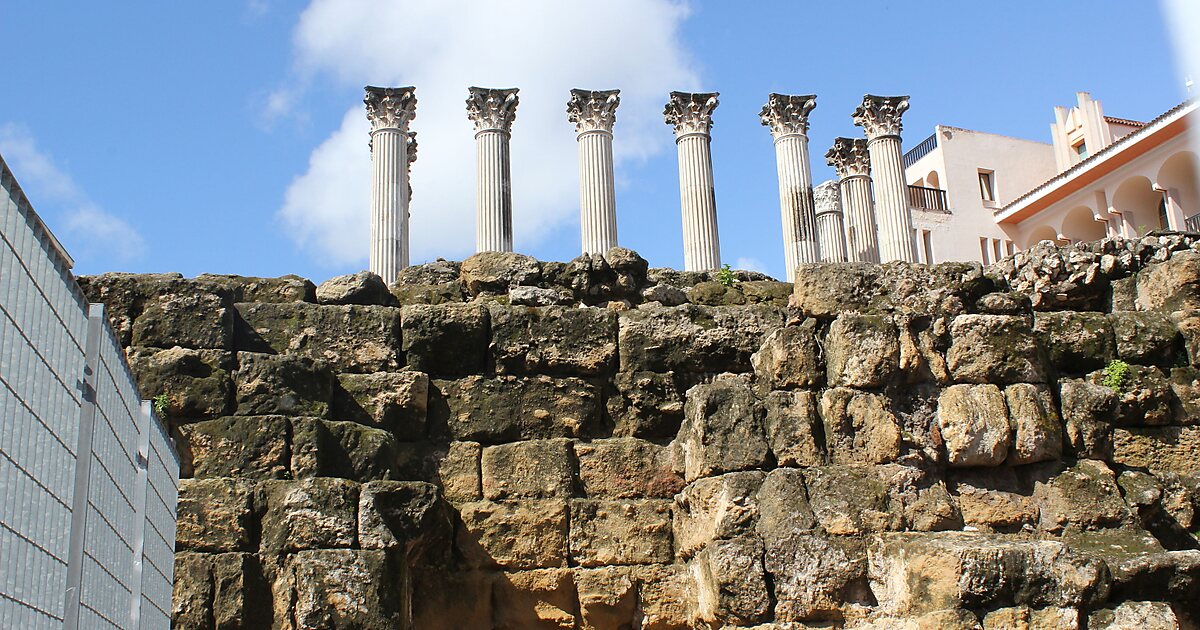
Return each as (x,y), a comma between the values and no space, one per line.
(507,443)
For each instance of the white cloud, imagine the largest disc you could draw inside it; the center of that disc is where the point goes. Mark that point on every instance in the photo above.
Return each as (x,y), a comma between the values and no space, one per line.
(88,232)
(750,264)
(543,47)
(1183,20)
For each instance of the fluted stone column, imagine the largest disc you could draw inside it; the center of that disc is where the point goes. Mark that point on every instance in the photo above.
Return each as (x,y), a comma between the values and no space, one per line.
(880,117)
(691,115)
(493,112)
(389,110)
(594,113)
(850,159)
(787,117)
(831,234)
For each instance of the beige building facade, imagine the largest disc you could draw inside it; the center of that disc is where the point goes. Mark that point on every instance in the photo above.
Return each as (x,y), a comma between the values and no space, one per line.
(981,196)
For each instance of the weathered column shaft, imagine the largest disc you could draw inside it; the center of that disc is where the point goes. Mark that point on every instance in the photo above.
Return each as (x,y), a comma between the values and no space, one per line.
(880,116)
(493,112)
(831,234)
(389,110)
(697,197)
(893,216)
(493,192)
(691,115)
(861,242)
(787,117)
(594,114)
(849,157)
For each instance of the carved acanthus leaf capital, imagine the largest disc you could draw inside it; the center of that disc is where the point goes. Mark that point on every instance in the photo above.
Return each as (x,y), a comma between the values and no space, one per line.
(492,108)
(880,115)
(593,110)
(849,157)
(691,112)
(412,147)
(827,197)
(787,114)
(390,108)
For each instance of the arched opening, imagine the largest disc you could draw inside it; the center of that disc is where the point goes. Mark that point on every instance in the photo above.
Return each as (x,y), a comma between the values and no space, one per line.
(1178,177)
(1043,233)
(1080,225)
(919,182)
(1139,205)
(932,180)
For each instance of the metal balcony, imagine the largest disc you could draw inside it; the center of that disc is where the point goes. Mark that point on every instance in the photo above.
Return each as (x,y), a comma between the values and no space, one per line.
(923,198)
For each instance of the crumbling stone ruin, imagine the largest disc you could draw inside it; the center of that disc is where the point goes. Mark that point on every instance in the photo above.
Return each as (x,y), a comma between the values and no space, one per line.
(507,443)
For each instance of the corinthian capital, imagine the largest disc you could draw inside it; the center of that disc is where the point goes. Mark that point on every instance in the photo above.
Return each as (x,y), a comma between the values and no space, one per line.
(492,108)
(412,146)
(786,114)
(880,115)
(593,110)
(390,108)
(849,157)
(691,112)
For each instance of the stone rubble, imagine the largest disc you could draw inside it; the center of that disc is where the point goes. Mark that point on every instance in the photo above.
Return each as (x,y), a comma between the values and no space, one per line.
(895,446)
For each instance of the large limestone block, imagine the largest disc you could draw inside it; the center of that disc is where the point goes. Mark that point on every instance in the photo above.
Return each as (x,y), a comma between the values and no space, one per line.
(815,577)
(123,296)
(728,583)
(319,513)
(1144,398)
(626,468)
(446,339)
(1188,323)
(645,405)
(916,573)
(919,498)
(663,602)
(459,472)
(827,290)
(289,288)
(214,591)
(444,600)
(862,351)
(187,314)
(794,428)
(191,599)
(1173,285)
(215,515)
(534,469)
(1085,495)
(495,272)
(197,383)
(528,534)
(365,288)
(280,384)
(849,500)
(533,600)
(322,448)
(1089,411)
(783,508)
(508,408)
(338,589)
(349,338)
(997,349)
(692,338)
(790,357)
(1146,338)
(1134,616)
(1076,342)
(396,401)
(722,430)
(1159,449)
(860,427)
(1037,431)
(253,447)
(993,499)
(973,420)
(716,508)
(404,515)
(553,340)
(608,597)
(1026,618)
(620,532)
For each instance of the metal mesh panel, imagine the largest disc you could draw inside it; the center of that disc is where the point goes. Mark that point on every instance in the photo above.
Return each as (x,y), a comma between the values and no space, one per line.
(88,541)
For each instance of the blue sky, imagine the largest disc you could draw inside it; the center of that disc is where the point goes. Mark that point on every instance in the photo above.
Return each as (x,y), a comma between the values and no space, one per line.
(229,137)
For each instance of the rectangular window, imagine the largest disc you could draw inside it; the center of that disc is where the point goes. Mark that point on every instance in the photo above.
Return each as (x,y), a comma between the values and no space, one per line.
(983,250)
(1011,247)
(927,240)
(997,253)
(987,185)
(1081,151)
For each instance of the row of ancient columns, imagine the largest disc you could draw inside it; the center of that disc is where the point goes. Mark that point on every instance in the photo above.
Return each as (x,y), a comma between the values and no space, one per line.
(871,222)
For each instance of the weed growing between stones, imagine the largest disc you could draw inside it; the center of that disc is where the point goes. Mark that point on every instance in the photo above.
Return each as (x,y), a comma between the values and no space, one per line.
(1115,374)
(725,275)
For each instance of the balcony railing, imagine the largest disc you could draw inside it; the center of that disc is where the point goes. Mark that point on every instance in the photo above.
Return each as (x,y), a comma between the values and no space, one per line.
(928,199)
(1192,223)
(921,150)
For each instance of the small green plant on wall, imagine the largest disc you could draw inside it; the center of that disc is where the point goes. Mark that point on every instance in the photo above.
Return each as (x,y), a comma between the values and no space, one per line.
(160,403)
(725,275)
(1115,374)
